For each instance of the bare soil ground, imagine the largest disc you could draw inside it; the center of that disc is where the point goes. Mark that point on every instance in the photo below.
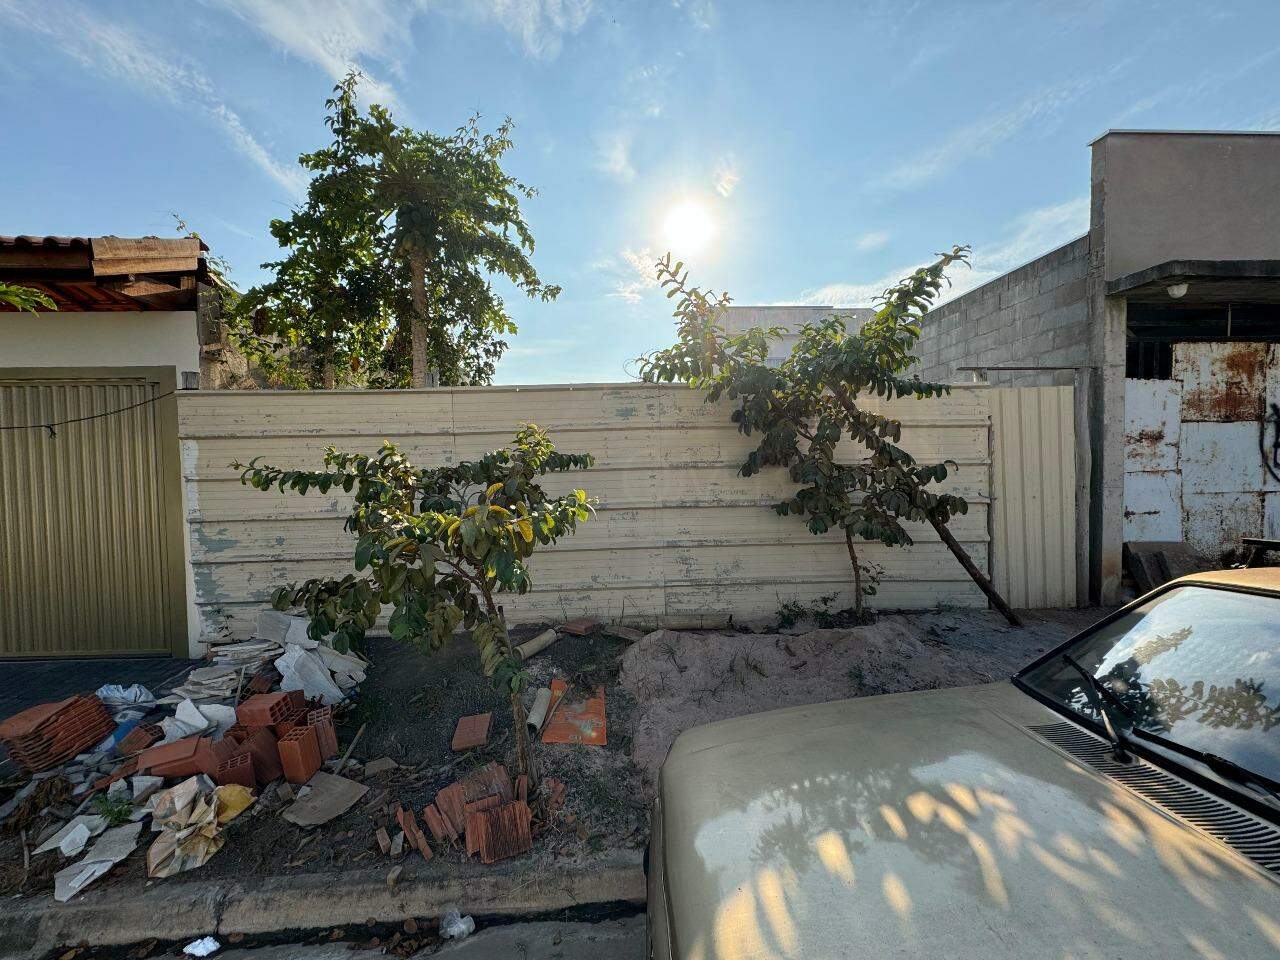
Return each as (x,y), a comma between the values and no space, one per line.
(655,688)
(682,680)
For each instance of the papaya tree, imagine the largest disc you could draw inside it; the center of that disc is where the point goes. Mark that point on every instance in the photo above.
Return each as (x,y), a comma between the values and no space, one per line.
(25,299)
(801,410)
(438,546)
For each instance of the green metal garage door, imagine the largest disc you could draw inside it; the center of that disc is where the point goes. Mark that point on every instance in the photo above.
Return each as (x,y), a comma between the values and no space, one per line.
(86,565)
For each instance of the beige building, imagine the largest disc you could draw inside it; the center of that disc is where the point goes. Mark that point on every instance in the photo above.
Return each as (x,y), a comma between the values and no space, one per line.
(89,476)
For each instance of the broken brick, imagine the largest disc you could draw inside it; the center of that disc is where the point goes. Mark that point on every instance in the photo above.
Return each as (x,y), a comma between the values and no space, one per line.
(210,756)
(484,803)
(412,832)
(326,736)
(451,805)
(299,754)
(522,788)
(502,832)
(384,840)
(580,626)
(490,779)
(472,732)
(141,737)
(441,829)
(176,759)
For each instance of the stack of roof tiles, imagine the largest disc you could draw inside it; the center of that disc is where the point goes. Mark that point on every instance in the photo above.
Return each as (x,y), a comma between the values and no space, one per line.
(47,735)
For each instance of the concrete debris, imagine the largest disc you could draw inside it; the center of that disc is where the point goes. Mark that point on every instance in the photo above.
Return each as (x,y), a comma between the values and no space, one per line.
(305,670)
(382,765)
(87,825)
(330,797)
(112,847)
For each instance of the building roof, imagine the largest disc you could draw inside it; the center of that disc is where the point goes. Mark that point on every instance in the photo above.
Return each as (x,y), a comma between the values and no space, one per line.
(107,273)
(1187,133)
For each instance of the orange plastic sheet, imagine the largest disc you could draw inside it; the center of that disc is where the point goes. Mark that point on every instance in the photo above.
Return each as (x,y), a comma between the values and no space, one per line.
(574,721)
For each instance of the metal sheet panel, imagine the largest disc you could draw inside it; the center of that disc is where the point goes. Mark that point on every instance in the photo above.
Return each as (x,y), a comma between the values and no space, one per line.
(1153,506)
(1214,523)
(1221,382)
(83,552)
(1152,425)
(1220,458)
(1033,509)
(678,531)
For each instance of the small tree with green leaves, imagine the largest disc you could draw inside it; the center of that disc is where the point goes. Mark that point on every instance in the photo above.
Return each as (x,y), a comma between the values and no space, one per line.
(25,299)
(439,546)
(802,409)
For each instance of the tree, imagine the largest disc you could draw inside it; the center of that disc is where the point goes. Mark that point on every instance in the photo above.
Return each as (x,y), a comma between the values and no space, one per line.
(438,545)
(26,299)
(391,257)
(802,409)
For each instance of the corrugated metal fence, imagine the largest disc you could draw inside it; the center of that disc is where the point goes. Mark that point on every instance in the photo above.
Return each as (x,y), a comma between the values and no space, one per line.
(678,532)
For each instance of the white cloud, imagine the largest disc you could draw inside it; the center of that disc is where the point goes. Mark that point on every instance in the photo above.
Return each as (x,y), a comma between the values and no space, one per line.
(613,156)
(105,47)
(726,176)
(701,13)
(539,25)
(981,136)
(631,274)
(871,240)
(335,35)
(1030,235)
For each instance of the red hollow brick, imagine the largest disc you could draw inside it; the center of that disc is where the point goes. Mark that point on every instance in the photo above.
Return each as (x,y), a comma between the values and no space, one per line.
(266,755)
(238,768)
(297,717)
(326,737)
(264,709)
(300,755)
(140,737)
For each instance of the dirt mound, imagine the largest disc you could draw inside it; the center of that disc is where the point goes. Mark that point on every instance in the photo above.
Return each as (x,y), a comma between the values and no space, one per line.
(680,680)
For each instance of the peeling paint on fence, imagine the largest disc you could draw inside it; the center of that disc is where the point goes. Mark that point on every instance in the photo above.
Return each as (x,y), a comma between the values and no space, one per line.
(678,530)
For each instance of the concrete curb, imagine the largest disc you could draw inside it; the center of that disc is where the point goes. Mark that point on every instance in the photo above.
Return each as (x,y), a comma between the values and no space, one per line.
(178,911)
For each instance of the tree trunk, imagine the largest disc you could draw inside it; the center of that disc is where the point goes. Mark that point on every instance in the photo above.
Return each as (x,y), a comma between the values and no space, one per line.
(978,576)
(328,379)
(857,572)
(424,375)
(952,543)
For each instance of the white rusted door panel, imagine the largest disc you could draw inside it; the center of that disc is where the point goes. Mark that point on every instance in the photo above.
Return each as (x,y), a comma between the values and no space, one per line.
(1153,506)
(1271,515)
(1214,523)
(1271,478)
(1221,382)
(1152,425)
(1220,458)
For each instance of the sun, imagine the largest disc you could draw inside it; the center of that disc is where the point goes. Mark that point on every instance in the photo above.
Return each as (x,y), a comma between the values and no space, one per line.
(687,228)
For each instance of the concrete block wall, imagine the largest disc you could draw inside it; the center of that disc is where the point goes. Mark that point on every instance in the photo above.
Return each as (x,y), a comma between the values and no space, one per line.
(1036,315)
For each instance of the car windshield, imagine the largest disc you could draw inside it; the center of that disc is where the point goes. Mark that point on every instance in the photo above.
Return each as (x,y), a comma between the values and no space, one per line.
(1196,666)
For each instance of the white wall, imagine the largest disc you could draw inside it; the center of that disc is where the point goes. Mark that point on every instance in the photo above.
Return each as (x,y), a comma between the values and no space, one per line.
(159,338)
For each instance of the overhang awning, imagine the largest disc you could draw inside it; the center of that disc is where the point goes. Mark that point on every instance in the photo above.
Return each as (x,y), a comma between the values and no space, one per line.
(107,273)
(1208,282)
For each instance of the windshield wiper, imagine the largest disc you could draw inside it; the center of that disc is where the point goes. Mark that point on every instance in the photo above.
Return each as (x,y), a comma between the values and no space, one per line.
(1234,772)
(1096,690)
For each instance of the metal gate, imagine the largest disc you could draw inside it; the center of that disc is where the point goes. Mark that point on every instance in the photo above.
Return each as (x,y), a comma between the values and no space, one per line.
(87,565)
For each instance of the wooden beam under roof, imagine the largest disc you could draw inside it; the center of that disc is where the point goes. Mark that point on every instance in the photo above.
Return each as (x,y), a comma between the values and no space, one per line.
(120,256)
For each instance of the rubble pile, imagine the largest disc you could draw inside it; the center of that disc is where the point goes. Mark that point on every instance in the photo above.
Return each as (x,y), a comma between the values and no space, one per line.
(258,711)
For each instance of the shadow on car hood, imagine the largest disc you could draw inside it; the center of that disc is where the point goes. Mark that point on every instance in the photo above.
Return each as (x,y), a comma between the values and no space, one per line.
(935,825)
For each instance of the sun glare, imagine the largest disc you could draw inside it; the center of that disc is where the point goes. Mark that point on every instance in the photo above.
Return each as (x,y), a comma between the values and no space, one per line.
(688,228)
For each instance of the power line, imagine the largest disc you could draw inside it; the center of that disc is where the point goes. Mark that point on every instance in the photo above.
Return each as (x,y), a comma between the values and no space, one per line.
(93,416)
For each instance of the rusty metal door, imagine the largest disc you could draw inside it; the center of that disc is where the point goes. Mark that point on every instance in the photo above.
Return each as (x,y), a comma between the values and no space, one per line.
(86,565)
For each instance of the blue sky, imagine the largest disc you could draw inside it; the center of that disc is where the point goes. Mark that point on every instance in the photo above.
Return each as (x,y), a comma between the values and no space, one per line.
(815,150)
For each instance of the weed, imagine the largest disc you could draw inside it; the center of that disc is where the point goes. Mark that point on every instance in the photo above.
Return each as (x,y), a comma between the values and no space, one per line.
(115,810)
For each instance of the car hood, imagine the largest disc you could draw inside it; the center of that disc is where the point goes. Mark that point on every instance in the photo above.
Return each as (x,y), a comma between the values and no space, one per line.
(935,825)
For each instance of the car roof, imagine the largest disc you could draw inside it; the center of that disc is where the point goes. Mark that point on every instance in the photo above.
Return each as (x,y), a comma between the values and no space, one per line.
(1252,578)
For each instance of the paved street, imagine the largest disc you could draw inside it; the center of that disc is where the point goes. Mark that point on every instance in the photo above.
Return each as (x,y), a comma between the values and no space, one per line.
(614,939)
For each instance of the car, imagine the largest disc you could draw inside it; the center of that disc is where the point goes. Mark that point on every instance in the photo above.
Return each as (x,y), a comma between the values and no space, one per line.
(1116,798)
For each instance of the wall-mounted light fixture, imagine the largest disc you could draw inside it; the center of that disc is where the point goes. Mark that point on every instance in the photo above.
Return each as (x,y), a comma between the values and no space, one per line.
(1176,290)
